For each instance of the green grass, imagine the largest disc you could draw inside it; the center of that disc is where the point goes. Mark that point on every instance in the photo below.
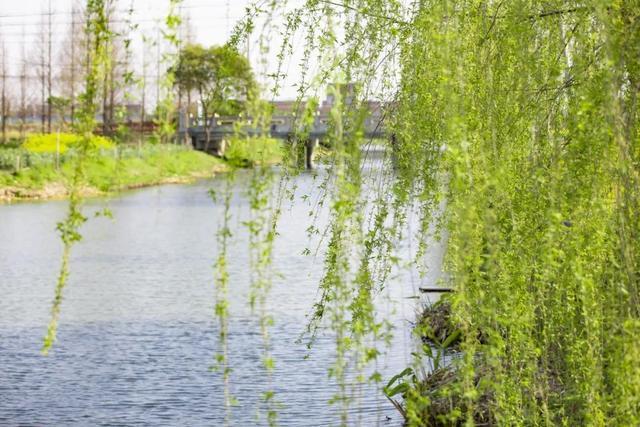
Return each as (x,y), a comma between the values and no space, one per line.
(248,152)
(106,173)
(111,168)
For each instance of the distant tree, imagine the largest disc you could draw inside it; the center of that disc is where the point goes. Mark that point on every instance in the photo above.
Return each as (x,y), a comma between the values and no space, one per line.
(146,44)
(186,37)
(70,59)
(221,77)
(23,88)
(42,72)
(60,106)
(108,87)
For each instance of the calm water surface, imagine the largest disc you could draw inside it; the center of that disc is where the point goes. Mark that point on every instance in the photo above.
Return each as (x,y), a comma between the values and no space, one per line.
(137,332)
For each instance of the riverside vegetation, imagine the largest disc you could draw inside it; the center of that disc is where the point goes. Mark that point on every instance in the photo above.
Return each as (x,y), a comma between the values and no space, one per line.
(42,166)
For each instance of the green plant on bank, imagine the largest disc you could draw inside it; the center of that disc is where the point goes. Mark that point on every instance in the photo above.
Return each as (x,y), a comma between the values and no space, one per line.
(253,151)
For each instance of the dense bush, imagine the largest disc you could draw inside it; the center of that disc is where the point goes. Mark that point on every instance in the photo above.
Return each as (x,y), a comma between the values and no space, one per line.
(48,143)
(244,152)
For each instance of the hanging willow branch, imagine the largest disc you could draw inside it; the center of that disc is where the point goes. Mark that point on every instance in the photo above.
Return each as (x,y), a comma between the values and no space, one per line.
(98,33)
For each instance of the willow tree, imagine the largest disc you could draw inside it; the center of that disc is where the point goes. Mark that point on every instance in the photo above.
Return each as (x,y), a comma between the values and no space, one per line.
(522,117)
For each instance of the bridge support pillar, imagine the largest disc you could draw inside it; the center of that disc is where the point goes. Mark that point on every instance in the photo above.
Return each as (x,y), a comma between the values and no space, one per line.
(311,144)
(222,147)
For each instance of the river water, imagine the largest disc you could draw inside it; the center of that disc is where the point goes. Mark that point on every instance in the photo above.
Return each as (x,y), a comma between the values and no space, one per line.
(137,332)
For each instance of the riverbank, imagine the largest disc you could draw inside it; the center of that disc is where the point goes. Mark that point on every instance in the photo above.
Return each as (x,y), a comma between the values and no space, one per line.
(110,171)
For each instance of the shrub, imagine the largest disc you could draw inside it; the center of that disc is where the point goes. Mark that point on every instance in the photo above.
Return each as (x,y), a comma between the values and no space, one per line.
(47,143)
(245,152)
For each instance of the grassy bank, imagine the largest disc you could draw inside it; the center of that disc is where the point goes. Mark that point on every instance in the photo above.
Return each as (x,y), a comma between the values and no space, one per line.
(104,171)
(252,151)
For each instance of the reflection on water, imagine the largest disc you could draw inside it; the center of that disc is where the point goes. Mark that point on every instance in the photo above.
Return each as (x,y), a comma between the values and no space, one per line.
(137,333)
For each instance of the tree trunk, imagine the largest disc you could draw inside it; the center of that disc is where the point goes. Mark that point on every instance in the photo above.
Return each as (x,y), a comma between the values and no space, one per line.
(105,106)
(207,130)
(112,93)
(188,118)
(43,107)
(23,95)
(144,94)
(4,94)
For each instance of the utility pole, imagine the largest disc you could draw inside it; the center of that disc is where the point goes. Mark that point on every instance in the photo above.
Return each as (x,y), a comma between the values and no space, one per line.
(105,107)
(183,119)
(107,82)
(144,89)
(127,72)
(23,89)
(49,46)
(112,87)
(158,60)
(4,93)
(72,40)
(43,80)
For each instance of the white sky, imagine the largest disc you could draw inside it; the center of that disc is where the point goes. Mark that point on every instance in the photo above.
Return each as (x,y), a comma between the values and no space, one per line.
(211,20)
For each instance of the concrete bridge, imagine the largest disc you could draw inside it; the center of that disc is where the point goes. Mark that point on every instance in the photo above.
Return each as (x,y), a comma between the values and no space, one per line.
(283,125)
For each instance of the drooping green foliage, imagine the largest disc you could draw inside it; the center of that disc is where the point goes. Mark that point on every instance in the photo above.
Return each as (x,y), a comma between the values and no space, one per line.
(251,146)
(221,310)
(521,117)
(535,106)
(265,213)
(98,34)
